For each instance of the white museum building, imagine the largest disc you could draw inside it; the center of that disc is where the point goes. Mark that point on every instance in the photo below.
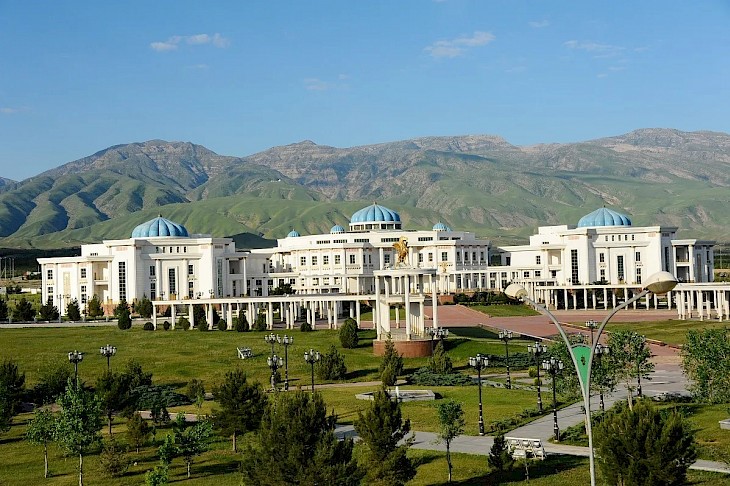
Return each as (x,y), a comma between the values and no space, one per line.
(162,261)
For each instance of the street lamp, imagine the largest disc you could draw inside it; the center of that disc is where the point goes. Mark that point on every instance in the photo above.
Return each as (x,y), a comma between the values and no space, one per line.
(554,367)
(76,357)
(591,324)
(437,332)
(641,343)
(537,349)
(274,362)
(581,354)
(311,357)
(601,350)
(108,351)
(505,336)
(271,339)
(479,363)
(286,341)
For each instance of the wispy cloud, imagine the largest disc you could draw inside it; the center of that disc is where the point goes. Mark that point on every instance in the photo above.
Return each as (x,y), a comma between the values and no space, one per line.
(539,24)
(173,42)
(9,110)
(318,84)
(458,47)
(598,50)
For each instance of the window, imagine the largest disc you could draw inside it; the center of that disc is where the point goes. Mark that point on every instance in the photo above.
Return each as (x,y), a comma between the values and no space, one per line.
(50,291)
(122,280)
(638,257)
(152,270)
(337,259)
(638,275)
(315,281)
(430,257)
(83,294)
(326,260)
(574,267)
(314,260)
(526,274)
(481,256)
(420,258)
(603,274)
(83,273)
(537,273)
(537,260)
(389,240)
(602,257)
(191,270)
(474,256)
(444,256)
(425,238)
(352,259)
(171,282)
(258,283)
(177,250)
(153,290)
(49,274)
(303,261)
(386,258)
(191,289)
(620,267)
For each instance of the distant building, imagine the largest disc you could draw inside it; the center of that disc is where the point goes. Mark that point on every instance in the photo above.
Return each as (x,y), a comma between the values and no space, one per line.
(162,261)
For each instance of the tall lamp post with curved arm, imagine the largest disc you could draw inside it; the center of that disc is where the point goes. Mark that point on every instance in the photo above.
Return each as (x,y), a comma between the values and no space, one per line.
(582,354)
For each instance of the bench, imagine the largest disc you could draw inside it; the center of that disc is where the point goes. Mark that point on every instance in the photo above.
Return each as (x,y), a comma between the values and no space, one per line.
(525,448)
(245,353)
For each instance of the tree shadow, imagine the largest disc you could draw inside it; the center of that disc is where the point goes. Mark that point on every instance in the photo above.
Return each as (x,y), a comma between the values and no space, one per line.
(552,465)
(351,375)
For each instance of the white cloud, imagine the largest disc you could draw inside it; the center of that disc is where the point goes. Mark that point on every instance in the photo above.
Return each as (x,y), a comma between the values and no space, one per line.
(316,84)
(173,42)
(457,47)
(8,110)
(539,24)
(598,50)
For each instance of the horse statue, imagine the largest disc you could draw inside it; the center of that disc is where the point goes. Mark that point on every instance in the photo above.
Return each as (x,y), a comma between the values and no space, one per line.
(401,247)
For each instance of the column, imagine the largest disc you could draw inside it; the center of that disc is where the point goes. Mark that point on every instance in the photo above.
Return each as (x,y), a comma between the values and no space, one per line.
(434,302)
(229,315)
(191,316)
(270,315)
(154,316)
(357,312)
(173,315)
(209,315)
(408,307)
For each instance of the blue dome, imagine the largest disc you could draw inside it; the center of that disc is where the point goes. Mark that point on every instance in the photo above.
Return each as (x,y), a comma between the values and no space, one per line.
(374,214)
(441,227)
(604,217)
(337,229)
(159,227)
(293,234)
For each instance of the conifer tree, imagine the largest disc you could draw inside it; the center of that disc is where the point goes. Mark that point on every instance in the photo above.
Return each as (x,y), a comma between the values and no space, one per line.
(242,405)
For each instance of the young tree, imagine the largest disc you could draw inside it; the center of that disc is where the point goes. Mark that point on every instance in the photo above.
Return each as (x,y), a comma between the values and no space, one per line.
(79,422)
(48,311)
(201,320)
(629,356)
(451,425)
(191,441)
(124,318)
(706,361)
(196,392)
(241,323)
(392,364)
(113,391)
(52,378)
(138,431)
(23,311)
(41,430)
(94,308)
(73,311)
(3,310)
(296,444)
(12,387)
(499,457)
(143,307)
(566,382)
(348,334)
(331,366)
(644,446)
(381,428)
(113,458)
(440,363)
(242,405)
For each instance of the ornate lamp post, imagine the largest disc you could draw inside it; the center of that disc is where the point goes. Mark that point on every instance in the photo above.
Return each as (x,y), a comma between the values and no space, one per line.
(592,325)
(479,363)
(108,351)
(76,357)
(271,339)
(554,367)
(505,336)
(537,350)
(638,366)
(581,354)
(274,362)
(437,332)
(311,357)
(601,351)
(286,341)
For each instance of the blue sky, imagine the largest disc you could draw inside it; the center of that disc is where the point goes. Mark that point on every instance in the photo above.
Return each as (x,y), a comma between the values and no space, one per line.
(242,76)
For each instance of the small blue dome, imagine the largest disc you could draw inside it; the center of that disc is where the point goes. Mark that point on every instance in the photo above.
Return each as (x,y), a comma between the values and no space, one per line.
(604,217)
(374,214)
(293,234)
(159,227)
(441,227)
(337,229)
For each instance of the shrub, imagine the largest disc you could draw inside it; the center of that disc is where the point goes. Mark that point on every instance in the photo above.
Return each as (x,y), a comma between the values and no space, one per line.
(148,326)
(166,325)
(113,459)
(440,362)
(331,366)
(499,457)
(73,311)
(348,334)
(425,376)
(532,371)
(143,307)
(260,323)
(391,359)
(183,323)
(222,325)
(241,323)
(306,327)
(201,325)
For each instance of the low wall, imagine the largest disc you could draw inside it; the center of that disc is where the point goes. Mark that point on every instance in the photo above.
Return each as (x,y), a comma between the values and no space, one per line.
(408,349)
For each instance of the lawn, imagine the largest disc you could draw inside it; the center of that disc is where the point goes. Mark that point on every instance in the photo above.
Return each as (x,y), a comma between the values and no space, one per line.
(670,331)
(506,310)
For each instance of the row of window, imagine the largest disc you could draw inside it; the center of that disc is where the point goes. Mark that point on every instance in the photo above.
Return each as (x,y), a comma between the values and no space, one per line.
(163,249)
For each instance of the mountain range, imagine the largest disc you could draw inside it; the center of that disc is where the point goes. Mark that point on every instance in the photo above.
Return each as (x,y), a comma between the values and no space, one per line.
(480,183)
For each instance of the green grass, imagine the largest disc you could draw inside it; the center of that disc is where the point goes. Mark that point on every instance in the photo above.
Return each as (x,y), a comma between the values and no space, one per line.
(505,310)
(669,331)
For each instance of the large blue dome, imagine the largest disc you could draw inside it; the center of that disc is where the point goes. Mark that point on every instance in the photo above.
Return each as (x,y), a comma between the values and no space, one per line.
(293,234)
(604,217)
(159,227)
(337,229)
(374,214)
(441,227)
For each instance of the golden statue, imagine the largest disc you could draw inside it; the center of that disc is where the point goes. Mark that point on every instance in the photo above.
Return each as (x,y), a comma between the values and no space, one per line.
(402,248)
